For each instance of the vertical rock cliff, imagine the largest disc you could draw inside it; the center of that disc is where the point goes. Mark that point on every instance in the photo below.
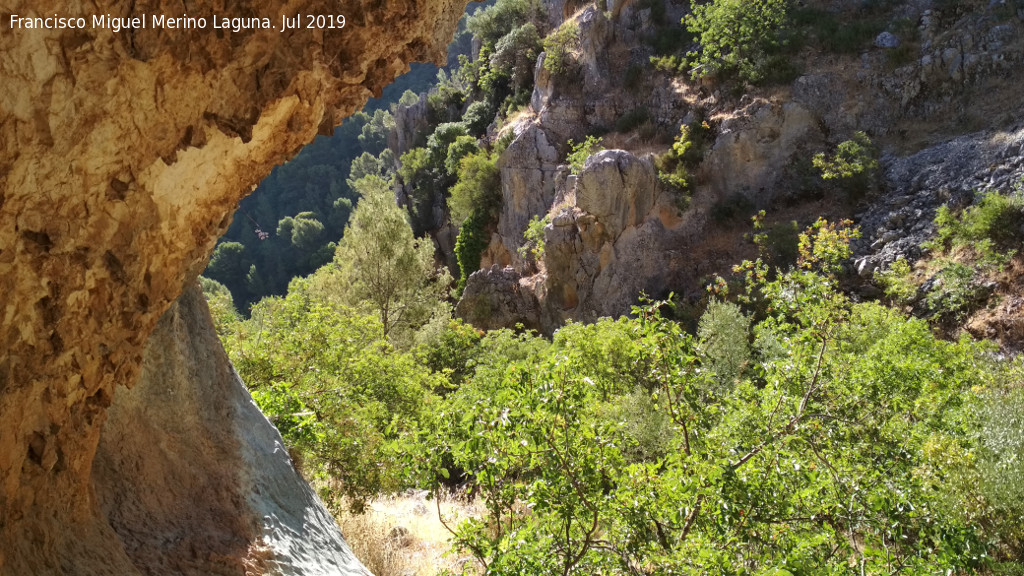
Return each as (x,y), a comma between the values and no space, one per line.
(122,157)
(193,479)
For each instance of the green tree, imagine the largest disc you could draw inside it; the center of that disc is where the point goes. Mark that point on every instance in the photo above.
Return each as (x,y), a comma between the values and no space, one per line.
(423,183)
(229,265)
(374,135)
(517,53)
(367,164)
(489,25)
(723,333)
(736,36)
(560,48)
(478,187)
(462,147)
(380,262)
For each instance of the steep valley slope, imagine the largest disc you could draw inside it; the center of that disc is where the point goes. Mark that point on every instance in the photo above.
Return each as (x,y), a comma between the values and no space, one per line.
(943,108)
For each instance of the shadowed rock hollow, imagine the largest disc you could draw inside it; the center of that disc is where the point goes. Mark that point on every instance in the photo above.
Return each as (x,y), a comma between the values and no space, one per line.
(122,157)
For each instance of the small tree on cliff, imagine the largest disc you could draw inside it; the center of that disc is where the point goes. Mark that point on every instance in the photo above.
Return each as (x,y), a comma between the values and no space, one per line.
(379,263)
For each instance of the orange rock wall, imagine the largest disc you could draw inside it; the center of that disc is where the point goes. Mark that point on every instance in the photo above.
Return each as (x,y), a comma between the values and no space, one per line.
(122,157)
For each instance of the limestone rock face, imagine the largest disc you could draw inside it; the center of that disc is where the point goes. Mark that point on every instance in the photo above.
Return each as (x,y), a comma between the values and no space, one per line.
(608,243)
(755,145)
(618,188)
(527,186)
(613,234)
(122,157)
(194,480)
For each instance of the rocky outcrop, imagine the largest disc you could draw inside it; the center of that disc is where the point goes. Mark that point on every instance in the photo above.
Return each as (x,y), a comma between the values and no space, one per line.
(955,172)
(122,157)
(616,236)
(499,297)
(755,145)
(527,169)
(952,74)
(617,189)
(410,121)
(613,234)
(194,480)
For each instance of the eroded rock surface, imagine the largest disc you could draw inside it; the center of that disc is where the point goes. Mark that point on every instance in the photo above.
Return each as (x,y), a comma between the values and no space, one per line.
(194,479)
(122,157)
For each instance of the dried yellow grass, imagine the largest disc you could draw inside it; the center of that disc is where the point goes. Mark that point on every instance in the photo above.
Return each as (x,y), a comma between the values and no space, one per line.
(403,536)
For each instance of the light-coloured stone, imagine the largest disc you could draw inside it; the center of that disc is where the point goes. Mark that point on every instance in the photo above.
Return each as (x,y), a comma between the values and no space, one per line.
(194,480)
(618,188)
(887,40)
(527,170)
(753,146)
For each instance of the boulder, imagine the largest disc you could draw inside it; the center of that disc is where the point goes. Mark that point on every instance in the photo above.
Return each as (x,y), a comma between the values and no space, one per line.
(498,298)
(887,40)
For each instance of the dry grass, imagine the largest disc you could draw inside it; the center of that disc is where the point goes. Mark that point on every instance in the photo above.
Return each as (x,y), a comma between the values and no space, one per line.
(402,535)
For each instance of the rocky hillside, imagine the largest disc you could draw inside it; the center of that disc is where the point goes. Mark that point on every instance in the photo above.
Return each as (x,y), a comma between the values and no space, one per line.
(934,85)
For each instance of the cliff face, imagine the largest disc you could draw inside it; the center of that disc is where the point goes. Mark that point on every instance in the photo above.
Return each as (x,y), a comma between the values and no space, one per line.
(956,79)
(122,157)
(193,479)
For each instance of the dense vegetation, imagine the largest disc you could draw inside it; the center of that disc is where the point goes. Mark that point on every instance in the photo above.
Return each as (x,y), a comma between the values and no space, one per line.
(795,432)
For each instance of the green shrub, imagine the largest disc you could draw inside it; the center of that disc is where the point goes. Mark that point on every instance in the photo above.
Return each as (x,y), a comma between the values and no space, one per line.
(408,98)
(723,333)
(444,102)
(955,292)
(736,207)
(478,117)
(736,36)
(441,139)
(669,64)
(633,119)
(687,152)
(462,147)
(488,25)
(854,166)
(853,158)
(454,352)
(898,282)
(560,47)
(333,386)
(778,244)
(516,53)
(989,228)
(478,187)
(982,238)
(578,153)
(534,237)
(470,244)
